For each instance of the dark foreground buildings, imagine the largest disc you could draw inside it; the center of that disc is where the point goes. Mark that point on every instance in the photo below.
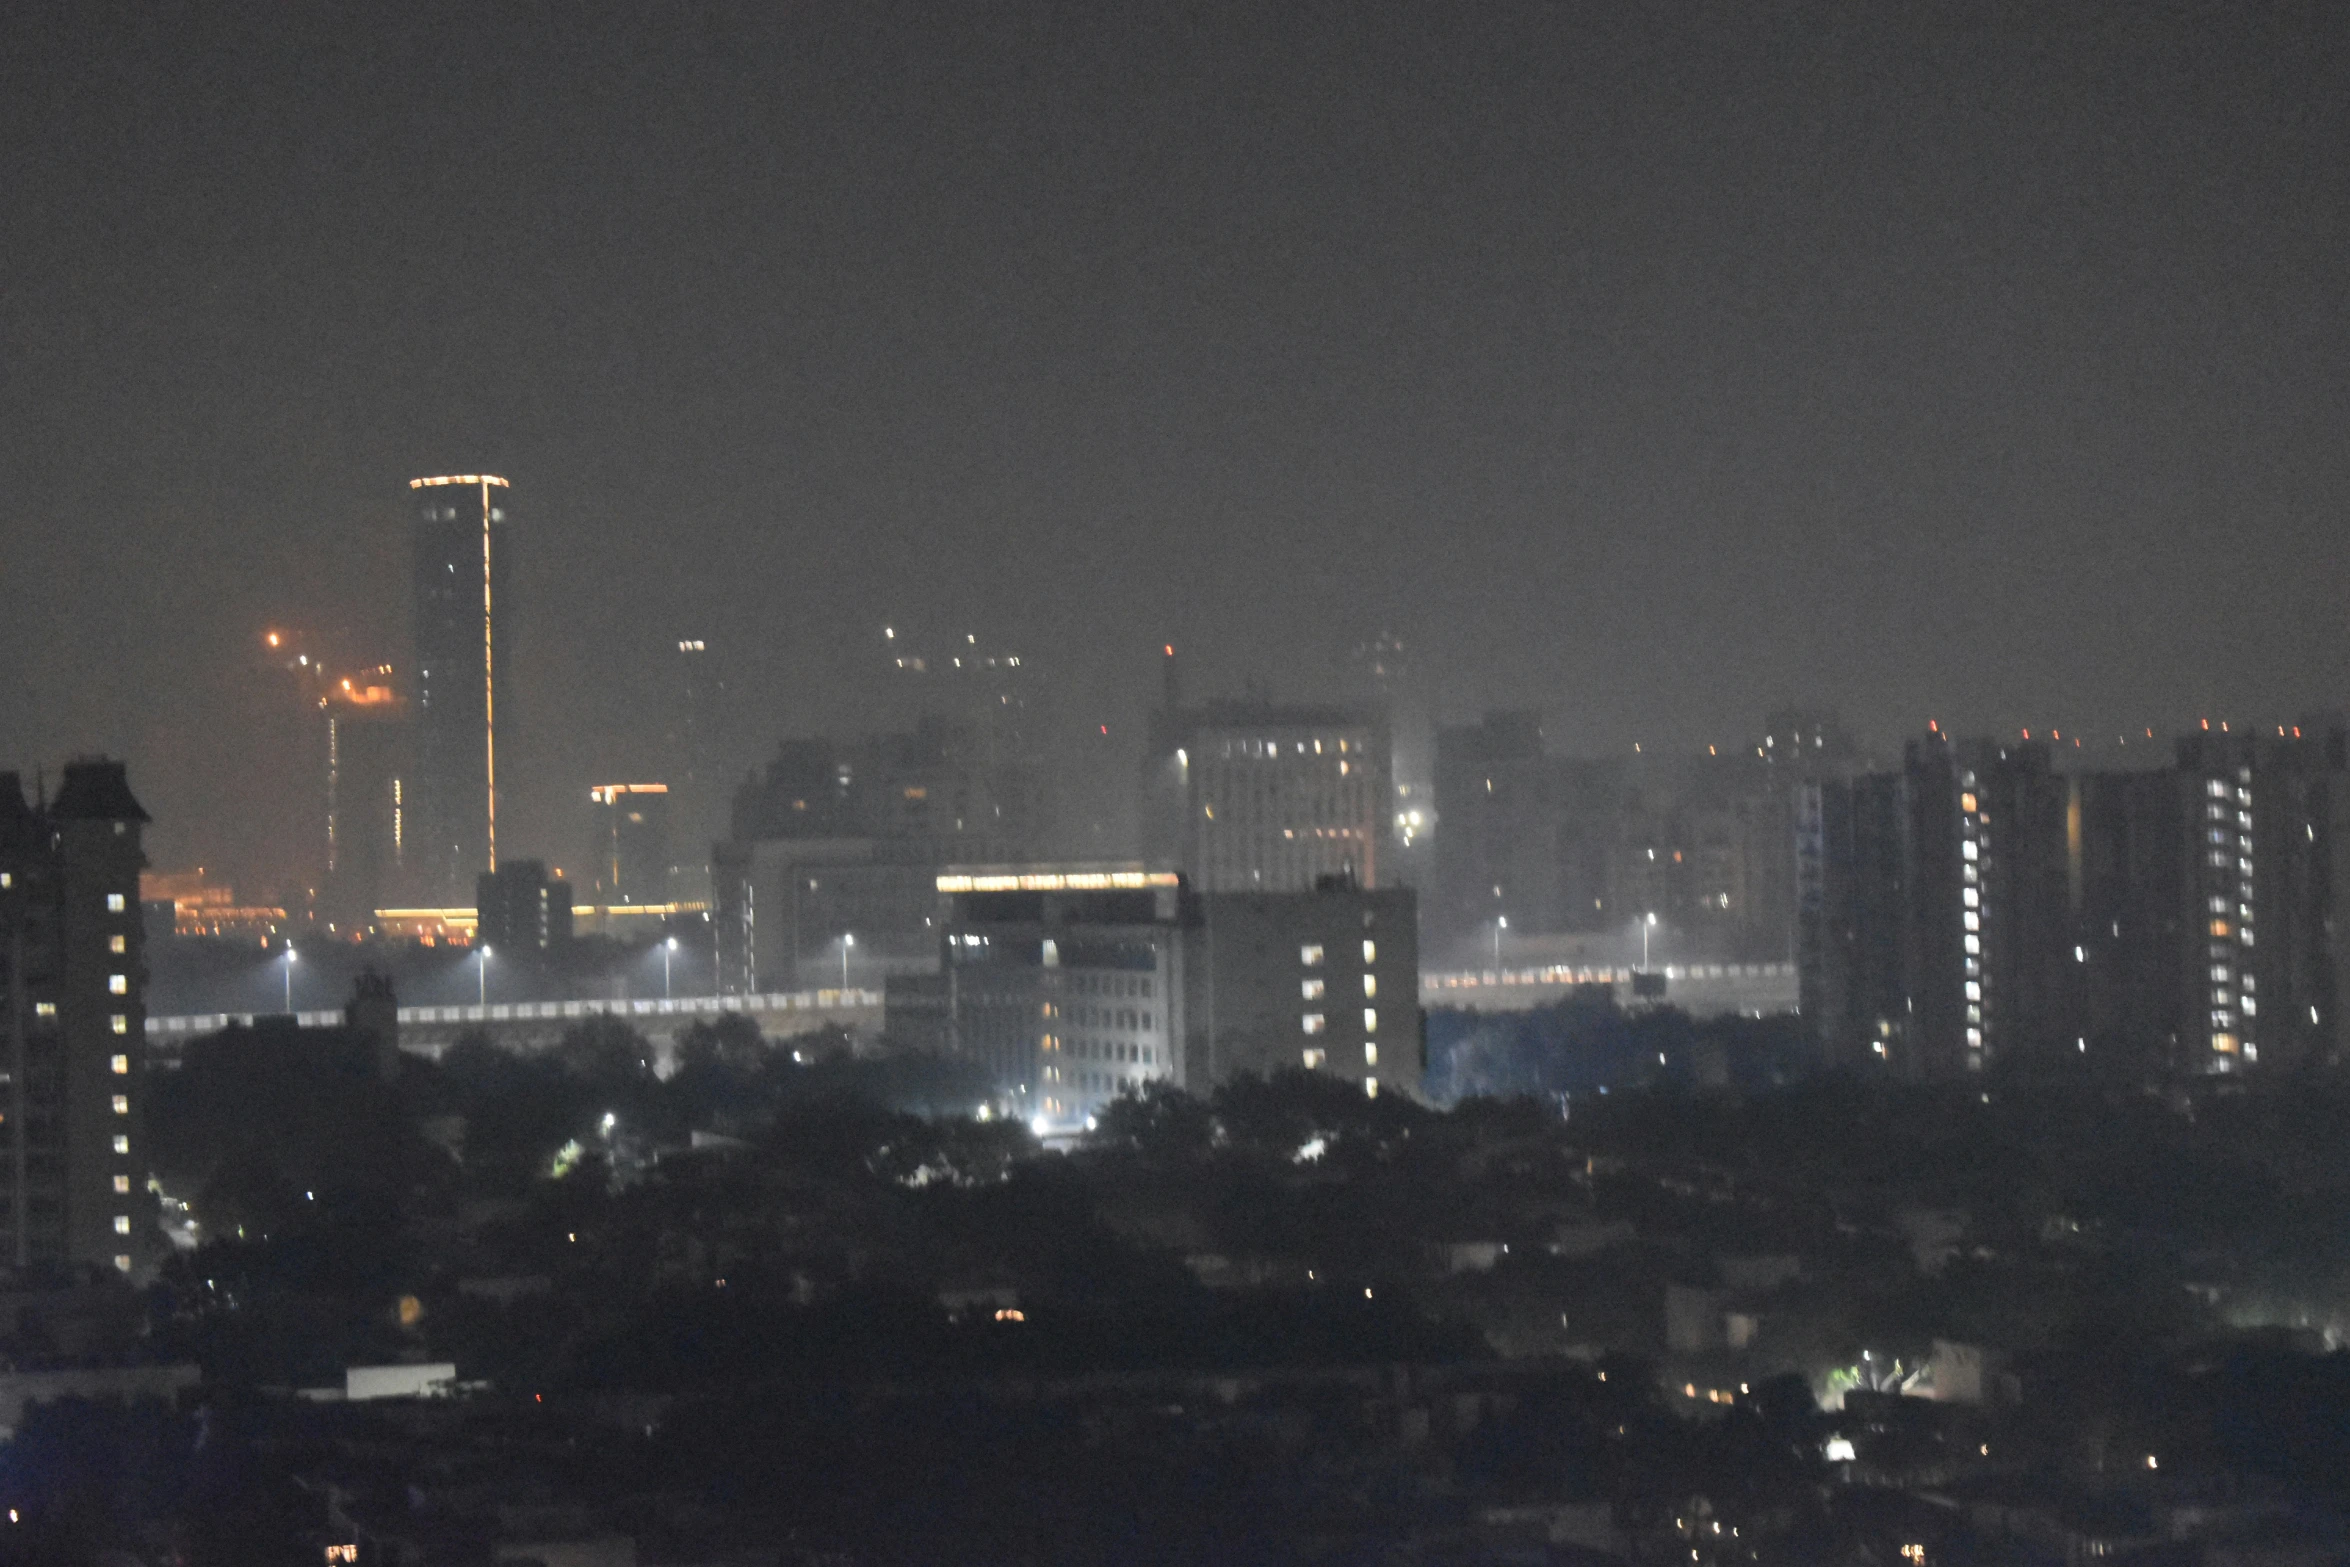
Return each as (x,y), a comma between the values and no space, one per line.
(1980,906)
(73,1023)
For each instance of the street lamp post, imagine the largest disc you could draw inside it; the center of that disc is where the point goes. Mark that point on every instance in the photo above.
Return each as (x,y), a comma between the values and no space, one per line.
(1501,922)
(847,940)
(289,976)
(482,973)
(1646,926)
(667,947)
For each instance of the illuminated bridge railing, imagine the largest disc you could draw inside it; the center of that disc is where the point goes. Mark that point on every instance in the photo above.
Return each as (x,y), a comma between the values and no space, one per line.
(548,1011)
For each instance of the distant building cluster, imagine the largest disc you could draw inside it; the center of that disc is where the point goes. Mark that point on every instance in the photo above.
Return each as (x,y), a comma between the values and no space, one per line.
(1694,849)
(1980,905)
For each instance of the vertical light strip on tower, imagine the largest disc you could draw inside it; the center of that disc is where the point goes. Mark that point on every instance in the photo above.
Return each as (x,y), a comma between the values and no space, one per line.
(489,676)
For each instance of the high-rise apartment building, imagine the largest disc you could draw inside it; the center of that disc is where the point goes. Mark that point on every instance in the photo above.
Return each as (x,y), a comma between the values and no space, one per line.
(1981,907)
(73,1189)
(464,645)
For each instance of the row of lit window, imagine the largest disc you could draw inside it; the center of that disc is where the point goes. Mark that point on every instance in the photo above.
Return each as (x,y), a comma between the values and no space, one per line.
(1311,955)
(1315,1060)
(1315,988)
(1316,1022)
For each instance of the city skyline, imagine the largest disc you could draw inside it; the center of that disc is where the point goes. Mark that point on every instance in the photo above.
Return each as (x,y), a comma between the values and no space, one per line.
(1649,379)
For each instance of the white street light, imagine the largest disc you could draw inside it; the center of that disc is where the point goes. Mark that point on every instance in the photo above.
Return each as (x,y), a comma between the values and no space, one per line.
(289,976)
(1501,922)
(667,947)
(484,975)
(1646,926)
(848,939)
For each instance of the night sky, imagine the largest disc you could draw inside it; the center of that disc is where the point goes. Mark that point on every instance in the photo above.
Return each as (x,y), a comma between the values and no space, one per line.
(1649,365)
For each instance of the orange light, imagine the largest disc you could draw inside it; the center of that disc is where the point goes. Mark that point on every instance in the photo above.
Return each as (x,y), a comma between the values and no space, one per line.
(1170,650)
(274,639)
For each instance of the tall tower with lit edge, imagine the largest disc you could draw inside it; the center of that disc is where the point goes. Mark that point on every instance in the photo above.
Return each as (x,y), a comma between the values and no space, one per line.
(463,648)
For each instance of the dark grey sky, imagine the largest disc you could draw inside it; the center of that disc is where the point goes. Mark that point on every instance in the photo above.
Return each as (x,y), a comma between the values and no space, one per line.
(1647,364)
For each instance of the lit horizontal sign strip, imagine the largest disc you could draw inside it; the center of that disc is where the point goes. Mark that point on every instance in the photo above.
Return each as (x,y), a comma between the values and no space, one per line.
(548,1011)
(1059,881)
(460,478)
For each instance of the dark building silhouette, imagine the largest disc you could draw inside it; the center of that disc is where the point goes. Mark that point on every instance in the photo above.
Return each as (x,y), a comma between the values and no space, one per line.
(369,774)
(520,908)
(631,843)
(73,1021)
(464,645)
(372,1016)
(696,744)
(835,850)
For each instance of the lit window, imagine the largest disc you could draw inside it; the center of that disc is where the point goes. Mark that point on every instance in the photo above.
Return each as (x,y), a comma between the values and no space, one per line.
(1370,1088)
(1370,1055)
(1312,989)
(1370,1020)
(1311,956)
(1974,990)
(1313,1022)
(121,1065)
(122,1183)
(6,881)
(118,944)
(1370,984)
(114,903)
(1370,952)
(122,1262)
(1315,1058)
(121,1022)
(1974,945)
(118,984)
(122,1224)
(1974,1039)
(1973,920)
(44,1009)
(122,1145)
(1970,897)
(122,1104)
(1968,850)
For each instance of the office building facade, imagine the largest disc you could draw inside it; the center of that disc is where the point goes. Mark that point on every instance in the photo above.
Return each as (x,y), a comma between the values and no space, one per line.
(464,646)
(1074,985)
(73,1026)
(1254,796)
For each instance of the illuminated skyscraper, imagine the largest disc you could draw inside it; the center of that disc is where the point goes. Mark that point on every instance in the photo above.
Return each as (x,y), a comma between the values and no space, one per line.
(463,647)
